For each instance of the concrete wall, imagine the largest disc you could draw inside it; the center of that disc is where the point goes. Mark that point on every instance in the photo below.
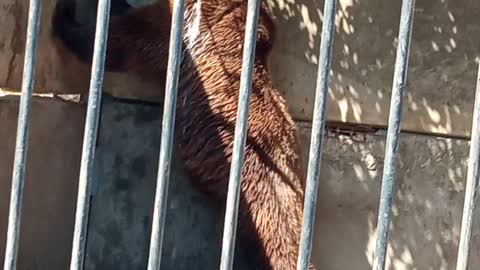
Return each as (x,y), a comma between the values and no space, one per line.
(441,79)
(50,181)
(427,208)
(442,70)
(432,170)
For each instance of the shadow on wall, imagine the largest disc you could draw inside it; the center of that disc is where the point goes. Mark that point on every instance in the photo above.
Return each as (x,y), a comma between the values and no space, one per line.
(427,206)
(440,90)
(446,39)
(428,203)
(442,70)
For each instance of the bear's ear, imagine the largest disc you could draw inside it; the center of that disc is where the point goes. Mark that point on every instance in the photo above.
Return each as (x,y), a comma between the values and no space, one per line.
(136,40)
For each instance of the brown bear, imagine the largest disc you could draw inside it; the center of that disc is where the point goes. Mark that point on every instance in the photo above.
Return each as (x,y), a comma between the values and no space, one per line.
(273,174)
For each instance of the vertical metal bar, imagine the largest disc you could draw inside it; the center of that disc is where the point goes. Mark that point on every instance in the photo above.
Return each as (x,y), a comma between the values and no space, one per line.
(318,129)
(471,187)
(90,136)
(21,145)
(233,195)
(168,123)
(394,120)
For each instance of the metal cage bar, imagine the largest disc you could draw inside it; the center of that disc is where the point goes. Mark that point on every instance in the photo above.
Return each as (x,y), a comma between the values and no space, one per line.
(318,129)
(21,146)
(471,187)
(233,195)
(168,123)
(90,136)
(394,120)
